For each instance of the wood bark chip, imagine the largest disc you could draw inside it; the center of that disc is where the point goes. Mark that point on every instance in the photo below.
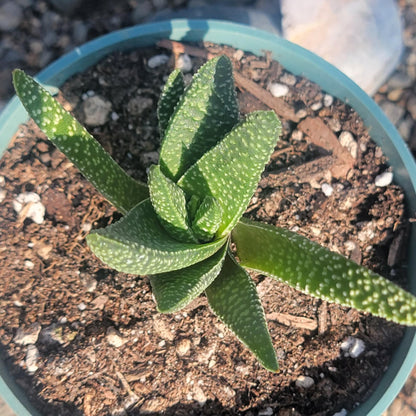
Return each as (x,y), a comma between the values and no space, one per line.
(293,321)
(321,135)
(280,107)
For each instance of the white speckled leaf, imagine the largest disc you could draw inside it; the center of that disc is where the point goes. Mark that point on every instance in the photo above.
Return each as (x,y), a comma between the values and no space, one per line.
(233,298)
(174,290)
(169,98)
(207,219)
(205,113)
(169,203)
(311,268)
(78,145)
(138,244)
(231,170)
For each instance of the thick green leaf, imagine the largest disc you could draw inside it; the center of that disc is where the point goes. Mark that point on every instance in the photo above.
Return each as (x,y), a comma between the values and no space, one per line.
(171,94)
(207,219)
(231,170)
(313,269)
(138,244)
(169,203)
(174,290)
(78,145)
(205,113)
(233,298)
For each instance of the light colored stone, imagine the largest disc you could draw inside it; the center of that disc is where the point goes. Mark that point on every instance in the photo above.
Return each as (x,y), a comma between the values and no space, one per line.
(304,382)
(347,140)
(384,179)
(11,16)
(278,90)
(363,38)
(183,347)
(268,411)
(31,360)
(96,110)
(29,205)
(27,335)
(353,347)
(328,100)
(327,189)
(342,412)
(138,104)
(393,111)
(184,63)
(114,338)
(3,194)
(157,60)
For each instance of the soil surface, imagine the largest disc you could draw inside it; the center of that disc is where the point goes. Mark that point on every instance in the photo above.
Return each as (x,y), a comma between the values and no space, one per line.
(81,338)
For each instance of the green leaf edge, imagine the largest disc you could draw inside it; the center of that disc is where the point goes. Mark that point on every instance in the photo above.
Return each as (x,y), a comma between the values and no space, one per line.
(114,184)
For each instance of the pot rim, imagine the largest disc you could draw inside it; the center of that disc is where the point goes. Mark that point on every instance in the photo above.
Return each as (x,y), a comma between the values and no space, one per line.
(300,62)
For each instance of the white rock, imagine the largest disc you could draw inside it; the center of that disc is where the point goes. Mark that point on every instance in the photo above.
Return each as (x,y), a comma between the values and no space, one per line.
(278,90)
(352,346)
(32,356)
(342,412)
(363,38)
(183,347)
(316,106)
(11,16)
(184,63)
(114,338)
(28,335)
(268,411)
(327,189)
(304,382)
(96,110)
(347,140)
(3,194)
(328,100)
(157,60)
(82,306)
(36,210)
(384,179)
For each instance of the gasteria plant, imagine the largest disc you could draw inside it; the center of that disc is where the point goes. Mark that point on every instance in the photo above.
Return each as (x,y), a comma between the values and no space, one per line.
(179,228)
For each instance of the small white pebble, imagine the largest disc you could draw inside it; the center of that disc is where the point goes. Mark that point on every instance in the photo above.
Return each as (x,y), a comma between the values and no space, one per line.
(157,60)
(32,356)
(342,412)
(384,179)
(90,93)
(328,100)
(36,211)
(115,339)
(297,135)
(353,347)
(29,264)
(316,106)
(347,140)
(278,90)
(304,382)
(82,306)
(184,63)
(114,116)
(3,194)
(327,189)
(268,411)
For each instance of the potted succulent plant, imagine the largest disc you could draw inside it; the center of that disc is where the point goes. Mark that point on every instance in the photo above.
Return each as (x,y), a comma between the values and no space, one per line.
(183,224)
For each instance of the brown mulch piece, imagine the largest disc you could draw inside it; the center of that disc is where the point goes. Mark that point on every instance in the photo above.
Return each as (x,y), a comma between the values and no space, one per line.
(103,348)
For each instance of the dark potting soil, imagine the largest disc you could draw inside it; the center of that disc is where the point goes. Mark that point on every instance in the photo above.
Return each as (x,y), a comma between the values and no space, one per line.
(82,339)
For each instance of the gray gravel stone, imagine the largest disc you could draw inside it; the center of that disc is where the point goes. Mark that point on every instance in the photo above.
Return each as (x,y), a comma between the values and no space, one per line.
(96,110)
(11,15)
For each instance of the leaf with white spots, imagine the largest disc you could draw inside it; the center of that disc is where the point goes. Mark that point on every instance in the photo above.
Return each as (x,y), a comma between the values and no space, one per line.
(233,298)
(169,203)
(313,269)
(174,290)
(138,244)
(78,145)
(231,170)
(207,219)
(169,98)
(204,114)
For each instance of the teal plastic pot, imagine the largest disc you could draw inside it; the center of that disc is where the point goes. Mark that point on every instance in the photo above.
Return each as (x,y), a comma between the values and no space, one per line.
(295,59)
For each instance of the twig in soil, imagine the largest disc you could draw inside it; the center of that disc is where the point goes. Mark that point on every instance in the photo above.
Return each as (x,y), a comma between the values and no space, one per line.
(280,107)
(321,135)
(293,321)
